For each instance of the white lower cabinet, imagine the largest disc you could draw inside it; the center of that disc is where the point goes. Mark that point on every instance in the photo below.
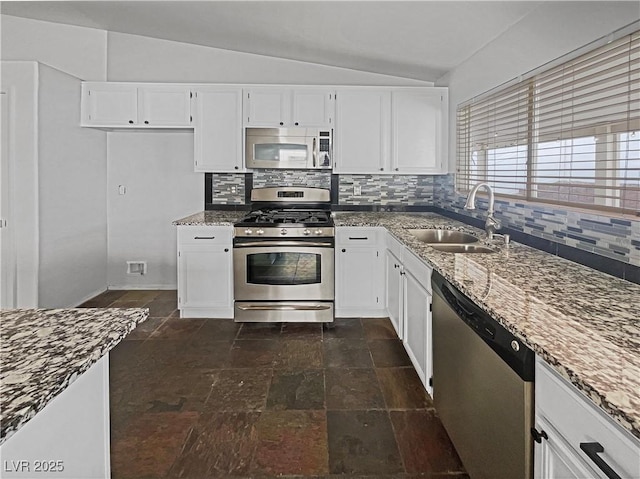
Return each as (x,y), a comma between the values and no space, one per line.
(417,335)
(577,439)
(359,280)
(205,272)
(409,306)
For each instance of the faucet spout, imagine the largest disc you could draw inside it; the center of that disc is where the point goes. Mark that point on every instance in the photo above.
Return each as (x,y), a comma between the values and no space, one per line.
(492,224)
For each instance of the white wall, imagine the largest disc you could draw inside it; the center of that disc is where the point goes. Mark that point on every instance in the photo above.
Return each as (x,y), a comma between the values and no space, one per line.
(157,170)
(72,176)
(78,51)
(138,58)
(552,30)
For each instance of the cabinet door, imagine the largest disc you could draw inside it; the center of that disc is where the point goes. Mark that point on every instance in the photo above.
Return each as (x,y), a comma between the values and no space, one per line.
(164,105)
(106,104)
(313,108)
(362,131)
(218,130)
(554,459)
(267,107)
(204,277)
(394,293)
(358,290)
(417,323)
(417,131)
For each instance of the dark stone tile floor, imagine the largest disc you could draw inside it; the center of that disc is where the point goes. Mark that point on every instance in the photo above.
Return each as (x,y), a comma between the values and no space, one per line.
(209,398)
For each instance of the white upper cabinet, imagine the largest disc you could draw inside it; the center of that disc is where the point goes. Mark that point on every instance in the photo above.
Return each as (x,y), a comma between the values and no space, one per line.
(125,105)
(361,140)
(401,131)
(218,129)
(163,105)
(286,107)
(313,107)
(418,122)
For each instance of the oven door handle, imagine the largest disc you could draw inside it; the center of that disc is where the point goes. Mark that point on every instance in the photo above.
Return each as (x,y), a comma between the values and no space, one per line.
(267,244)
(284,307)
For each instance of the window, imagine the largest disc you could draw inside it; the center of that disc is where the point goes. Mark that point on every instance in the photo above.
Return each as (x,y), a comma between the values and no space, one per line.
(567,135)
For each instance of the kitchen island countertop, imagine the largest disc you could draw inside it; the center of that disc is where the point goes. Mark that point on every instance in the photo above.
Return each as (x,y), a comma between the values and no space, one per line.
(42,351)
(584,323)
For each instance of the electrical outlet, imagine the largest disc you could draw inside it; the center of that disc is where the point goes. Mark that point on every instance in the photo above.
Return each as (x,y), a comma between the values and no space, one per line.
(233,189)
(357,190)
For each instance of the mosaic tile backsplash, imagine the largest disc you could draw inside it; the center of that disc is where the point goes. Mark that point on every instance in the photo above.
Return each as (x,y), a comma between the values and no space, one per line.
(615,238)
(609,237)
(387,190)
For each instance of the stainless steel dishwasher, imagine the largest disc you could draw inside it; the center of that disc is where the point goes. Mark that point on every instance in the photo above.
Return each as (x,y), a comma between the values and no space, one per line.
(483,387)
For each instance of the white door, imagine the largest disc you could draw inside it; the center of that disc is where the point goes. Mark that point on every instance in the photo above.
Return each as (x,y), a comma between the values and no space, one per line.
(107,104)
(7,246)
(362,133)
(417,131)
(357,283)
(218,130)
(164,105)
(204,277)
(313,108)
(394,293)
(267,107)
(417,321)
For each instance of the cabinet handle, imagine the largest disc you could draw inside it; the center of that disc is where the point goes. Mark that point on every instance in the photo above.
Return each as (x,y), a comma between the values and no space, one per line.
(237,167)
(146,122)
(281,123)
(592,449)
(538,436)
(381,169)
(226,250)
(131,122)
(358,238)
(204,237)
(397,169)
(344,250)
(295,123)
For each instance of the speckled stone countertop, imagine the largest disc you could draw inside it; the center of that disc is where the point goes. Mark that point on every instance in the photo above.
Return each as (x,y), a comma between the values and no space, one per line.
(584,323)
(210,218)
(42,351)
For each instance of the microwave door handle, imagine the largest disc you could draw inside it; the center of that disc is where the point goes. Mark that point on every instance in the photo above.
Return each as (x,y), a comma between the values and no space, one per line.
(315,153)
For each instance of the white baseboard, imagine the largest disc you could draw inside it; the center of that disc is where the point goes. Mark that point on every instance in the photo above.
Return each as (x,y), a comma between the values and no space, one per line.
(88,297)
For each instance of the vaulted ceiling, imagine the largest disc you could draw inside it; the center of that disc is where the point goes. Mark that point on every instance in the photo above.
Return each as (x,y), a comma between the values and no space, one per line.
(413,39)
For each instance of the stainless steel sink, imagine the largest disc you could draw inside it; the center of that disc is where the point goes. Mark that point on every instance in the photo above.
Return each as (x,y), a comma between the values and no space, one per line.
(462,248)
(439,236)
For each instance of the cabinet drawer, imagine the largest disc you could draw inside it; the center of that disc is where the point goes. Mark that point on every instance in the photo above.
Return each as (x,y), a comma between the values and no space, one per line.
(419,269)
(580,421)
(356,236)
(205,235)
(395,246)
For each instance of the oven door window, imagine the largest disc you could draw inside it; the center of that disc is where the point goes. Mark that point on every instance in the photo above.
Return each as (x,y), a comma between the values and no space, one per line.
(282,268)
(286,153)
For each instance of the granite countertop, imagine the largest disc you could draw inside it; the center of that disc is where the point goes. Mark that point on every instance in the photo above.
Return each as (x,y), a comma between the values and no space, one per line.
(210,218)
(584,323)
(42,351)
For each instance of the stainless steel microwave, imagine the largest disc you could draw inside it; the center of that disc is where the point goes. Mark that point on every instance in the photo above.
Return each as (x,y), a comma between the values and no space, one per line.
(289,148)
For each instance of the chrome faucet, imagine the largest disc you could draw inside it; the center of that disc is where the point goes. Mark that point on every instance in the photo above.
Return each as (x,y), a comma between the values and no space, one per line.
(492,224)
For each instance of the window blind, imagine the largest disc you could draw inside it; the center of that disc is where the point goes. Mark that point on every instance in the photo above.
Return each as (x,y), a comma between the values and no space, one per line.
(568,135)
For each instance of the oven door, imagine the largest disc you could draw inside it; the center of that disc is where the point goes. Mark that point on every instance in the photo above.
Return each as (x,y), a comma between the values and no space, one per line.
(281,270)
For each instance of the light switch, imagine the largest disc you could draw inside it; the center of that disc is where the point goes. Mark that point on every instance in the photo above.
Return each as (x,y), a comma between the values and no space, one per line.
(122,190)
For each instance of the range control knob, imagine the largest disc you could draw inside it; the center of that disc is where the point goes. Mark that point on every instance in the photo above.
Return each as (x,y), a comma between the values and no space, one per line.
(306,232)
(248,231)
(260,232)
(283,231)
(318,232)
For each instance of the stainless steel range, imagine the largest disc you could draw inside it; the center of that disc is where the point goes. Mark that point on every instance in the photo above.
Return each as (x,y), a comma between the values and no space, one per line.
(283,257)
